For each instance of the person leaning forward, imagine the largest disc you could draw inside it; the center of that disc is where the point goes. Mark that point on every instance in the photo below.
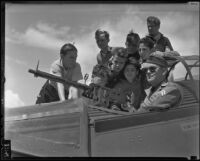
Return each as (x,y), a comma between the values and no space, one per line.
(162,94)
(67,68)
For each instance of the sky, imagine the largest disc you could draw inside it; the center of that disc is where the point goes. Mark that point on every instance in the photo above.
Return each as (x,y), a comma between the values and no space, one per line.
(37,31)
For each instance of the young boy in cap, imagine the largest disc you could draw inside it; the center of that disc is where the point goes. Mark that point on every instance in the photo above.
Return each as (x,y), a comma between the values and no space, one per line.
(162,94)
(161,43)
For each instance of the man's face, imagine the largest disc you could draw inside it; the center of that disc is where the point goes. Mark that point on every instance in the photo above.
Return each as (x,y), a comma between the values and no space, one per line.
(102,41)
(118,63)
(144,51)
(69,60)
(152,28)
(154,73)
(132,47)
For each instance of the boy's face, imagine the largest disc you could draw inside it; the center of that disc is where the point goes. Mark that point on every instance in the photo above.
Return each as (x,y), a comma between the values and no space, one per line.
(153,29)
(132,47)
(102,41)
(118,63)
(69,60)
(144,51)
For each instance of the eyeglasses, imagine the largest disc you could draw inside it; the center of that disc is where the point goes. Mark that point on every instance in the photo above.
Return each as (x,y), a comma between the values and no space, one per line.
(150,69)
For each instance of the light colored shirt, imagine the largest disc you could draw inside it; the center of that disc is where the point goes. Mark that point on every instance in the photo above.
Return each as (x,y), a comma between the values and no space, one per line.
(74,74)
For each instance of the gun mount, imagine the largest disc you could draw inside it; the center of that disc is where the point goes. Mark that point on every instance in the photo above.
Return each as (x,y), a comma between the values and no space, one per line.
(102,96)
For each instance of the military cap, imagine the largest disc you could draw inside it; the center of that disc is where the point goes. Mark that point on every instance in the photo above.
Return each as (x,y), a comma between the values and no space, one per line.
(156,59)
(154,20)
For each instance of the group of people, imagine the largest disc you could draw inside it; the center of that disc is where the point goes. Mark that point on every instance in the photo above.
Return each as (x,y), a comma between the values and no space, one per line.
(139,70)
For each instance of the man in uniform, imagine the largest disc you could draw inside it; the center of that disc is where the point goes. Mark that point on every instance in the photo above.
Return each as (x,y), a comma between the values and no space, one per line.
(161,43)
(162,94)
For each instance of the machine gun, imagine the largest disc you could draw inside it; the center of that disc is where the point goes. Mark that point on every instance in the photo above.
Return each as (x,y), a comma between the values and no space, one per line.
(102,96)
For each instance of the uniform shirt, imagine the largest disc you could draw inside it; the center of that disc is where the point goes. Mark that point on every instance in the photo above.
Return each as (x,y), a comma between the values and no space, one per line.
(161,43)
(103,58)
(74,74)
(127,88)
(167,95)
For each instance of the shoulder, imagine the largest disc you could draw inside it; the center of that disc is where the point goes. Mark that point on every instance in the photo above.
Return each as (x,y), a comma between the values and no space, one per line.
(56,66)
(56,63)
(164,37)
(77,67)
(170,88)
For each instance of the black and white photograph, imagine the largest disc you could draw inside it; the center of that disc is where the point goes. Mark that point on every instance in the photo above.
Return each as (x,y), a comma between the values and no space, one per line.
(100,80)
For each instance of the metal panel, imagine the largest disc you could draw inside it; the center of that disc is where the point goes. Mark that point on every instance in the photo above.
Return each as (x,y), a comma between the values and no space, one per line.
(163,139)
(56,131)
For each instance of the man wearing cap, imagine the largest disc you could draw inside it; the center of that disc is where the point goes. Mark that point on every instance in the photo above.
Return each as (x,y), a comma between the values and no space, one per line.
(161,43)
(162,94)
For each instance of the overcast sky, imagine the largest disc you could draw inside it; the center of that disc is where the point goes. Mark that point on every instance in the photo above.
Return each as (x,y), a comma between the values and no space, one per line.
(37,32)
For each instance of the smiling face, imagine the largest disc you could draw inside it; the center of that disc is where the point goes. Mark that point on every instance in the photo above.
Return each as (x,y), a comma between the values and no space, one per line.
(69,59)
(154,73)
(130,72)
(102,41)
(118,63)
(153,29)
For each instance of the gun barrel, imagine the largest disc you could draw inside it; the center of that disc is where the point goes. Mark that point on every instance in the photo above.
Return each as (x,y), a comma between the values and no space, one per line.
(57,79)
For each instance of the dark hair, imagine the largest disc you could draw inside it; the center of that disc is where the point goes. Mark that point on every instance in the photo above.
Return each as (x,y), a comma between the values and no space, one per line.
(147,42)
(99,32)
(131,36)
(67,47)
(120,52)
(133,61)
(154,20)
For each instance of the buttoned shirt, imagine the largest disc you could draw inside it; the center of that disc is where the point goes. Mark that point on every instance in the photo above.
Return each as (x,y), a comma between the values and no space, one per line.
(167,95)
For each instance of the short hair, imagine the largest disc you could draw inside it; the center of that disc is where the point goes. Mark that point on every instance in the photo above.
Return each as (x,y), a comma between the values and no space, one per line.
(154,20)
(120,52)
(147,42)
(134,62)
(67,47)
(131,36)
(99,32)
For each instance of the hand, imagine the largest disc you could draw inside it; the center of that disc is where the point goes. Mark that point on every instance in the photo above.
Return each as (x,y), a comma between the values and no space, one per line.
(115,107)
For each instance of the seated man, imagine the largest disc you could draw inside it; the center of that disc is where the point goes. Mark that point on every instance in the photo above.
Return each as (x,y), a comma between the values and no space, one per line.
(162,94)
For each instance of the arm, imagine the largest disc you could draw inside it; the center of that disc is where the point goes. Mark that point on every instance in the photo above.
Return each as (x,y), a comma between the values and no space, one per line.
(61,91)
(168,46)
(56,70)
